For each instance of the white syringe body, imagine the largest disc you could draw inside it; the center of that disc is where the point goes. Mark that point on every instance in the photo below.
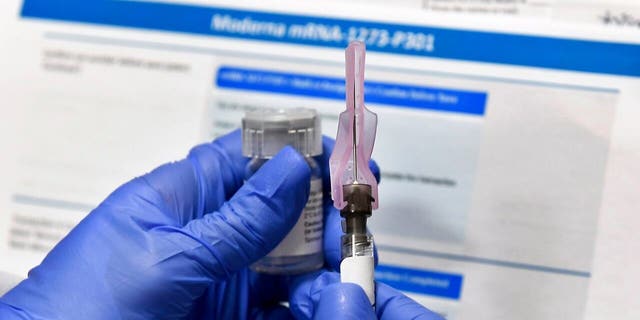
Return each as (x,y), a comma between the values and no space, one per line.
(358,266)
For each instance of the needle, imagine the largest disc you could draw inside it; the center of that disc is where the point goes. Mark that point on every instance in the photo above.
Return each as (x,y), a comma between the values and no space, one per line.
(355,158)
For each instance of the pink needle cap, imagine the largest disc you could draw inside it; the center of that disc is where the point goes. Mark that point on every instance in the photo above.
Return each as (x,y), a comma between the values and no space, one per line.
(349,162)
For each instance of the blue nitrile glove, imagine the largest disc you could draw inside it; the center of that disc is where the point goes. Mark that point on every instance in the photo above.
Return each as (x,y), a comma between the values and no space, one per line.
(176,243)
(322,296)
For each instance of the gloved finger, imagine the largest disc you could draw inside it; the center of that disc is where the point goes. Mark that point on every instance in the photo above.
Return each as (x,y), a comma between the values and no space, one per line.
(332,239)
(323,160)
(201,183)
(305,292)
(332,245)
(392,304)
(305,289)
(252,222)
(343,301)
(320,295)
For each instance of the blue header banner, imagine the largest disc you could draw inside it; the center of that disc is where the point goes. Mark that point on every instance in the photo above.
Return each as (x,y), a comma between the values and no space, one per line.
(522,50)
(418,97)
(438,284)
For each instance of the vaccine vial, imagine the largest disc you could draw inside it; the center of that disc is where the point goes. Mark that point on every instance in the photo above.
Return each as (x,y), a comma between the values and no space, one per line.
(264,133)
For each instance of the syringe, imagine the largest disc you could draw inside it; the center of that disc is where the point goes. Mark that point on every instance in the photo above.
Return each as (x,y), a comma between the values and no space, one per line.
(354,187)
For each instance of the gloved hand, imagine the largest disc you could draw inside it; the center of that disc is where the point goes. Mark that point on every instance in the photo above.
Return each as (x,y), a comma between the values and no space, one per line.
(176,243)
(322,296)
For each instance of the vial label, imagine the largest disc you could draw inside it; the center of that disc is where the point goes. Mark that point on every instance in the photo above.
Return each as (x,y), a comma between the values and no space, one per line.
(306,236)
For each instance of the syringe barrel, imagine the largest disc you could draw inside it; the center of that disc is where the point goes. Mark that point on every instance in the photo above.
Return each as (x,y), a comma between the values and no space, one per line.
(357,256)
(357,245)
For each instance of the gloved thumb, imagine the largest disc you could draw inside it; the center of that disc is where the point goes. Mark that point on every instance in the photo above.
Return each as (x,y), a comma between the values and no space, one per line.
(392,304)
(253,221)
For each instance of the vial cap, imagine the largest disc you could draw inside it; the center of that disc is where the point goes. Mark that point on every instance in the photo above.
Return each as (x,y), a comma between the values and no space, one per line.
(265,132)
